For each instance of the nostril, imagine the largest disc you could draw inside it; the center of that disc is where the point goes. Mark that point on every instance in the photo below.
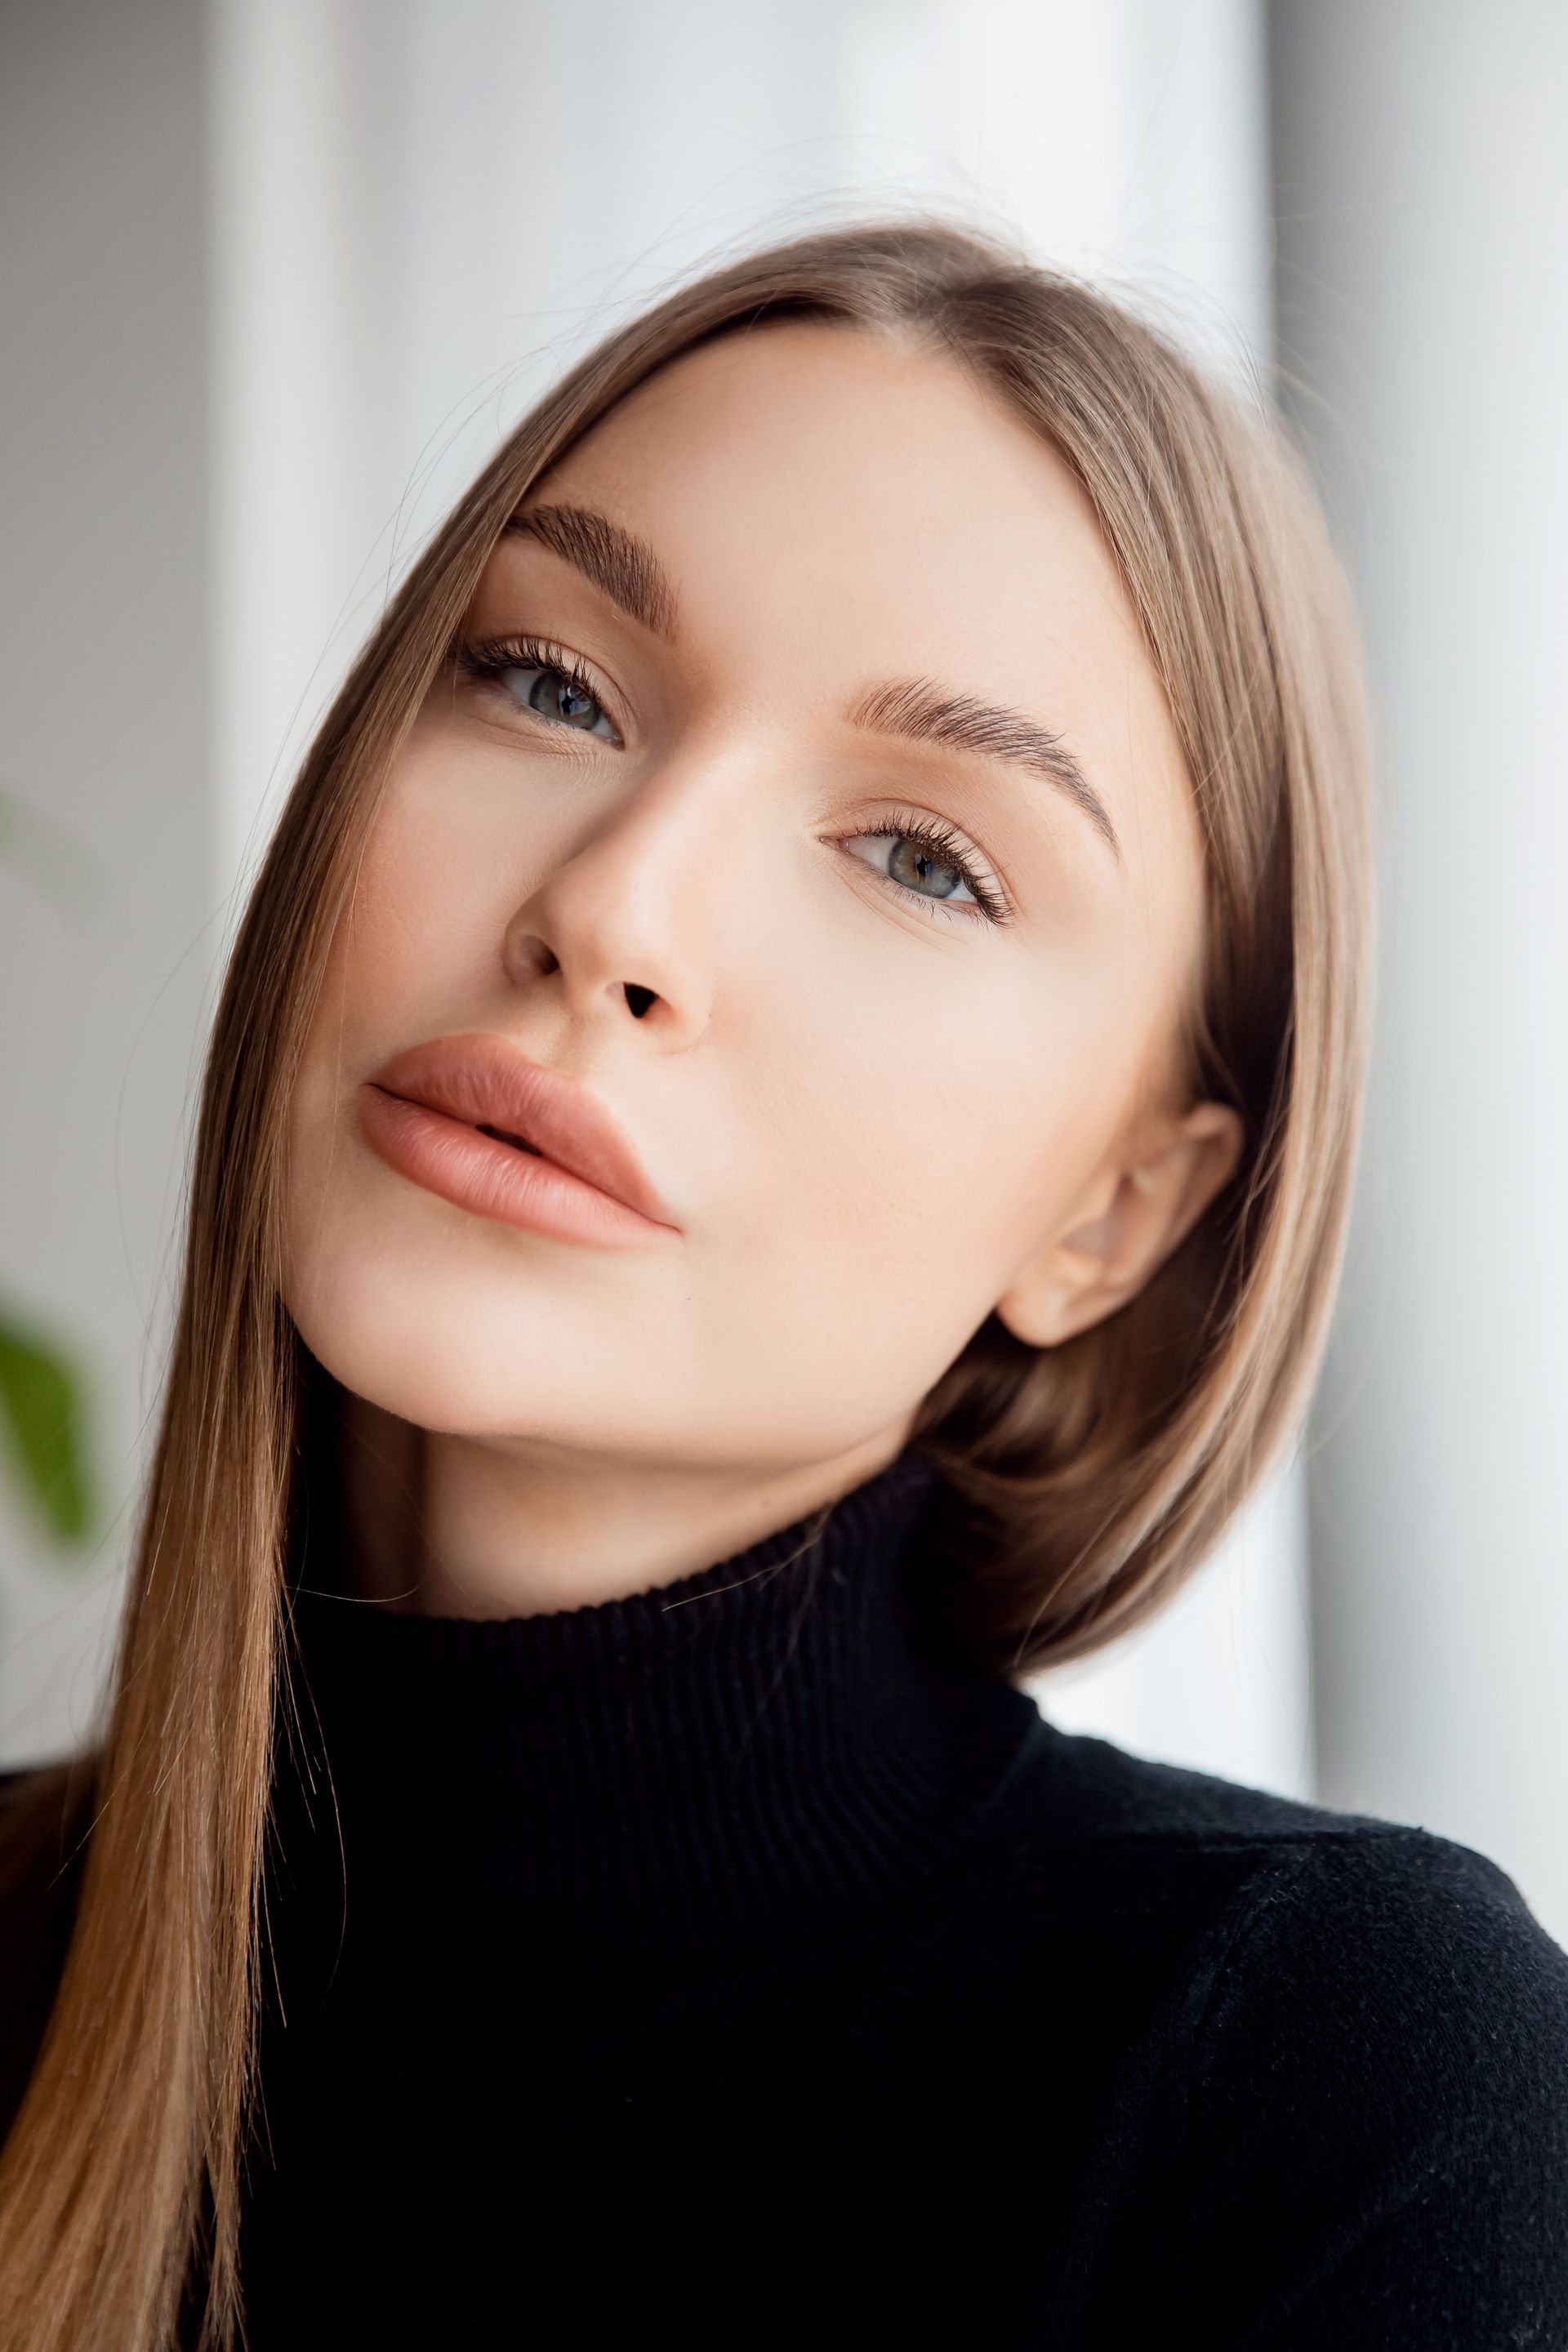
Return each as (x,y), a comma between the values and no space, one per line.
(525,956)
(640,999)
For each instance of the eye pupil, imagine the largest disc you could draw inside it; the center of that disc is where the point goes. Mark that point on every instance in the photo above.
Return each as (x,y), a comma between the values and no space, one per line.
(914,866)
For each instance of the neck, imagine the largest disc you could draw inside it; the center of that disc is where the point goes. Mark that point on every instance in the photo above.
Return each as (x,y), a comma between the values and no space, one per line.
(768,1750)
(450,1525)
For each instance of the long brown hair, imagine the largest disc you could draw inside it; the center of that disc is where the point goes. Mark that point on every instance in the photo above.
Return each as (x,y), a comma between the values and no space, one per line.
(1087,1479)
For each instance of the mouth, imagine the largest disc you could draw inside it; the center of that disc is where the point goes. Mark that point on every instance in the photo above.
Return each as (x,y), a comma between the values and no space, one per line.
(517,1142)
(473,1120)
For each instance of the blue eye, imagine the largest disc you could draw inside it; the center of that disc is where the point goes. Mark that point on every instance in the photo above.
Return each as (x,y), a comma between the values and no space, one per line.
(557,695)
(927,861)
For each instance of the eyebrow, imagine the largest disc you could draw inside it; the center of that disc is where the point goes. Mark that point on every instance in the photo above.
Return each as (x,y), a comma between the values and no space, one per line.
(920,711)
(619,564)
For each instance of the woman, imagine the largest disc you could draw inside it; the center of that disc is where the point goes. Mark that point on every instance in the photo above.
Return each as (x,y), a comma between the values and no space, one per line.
(774,1154)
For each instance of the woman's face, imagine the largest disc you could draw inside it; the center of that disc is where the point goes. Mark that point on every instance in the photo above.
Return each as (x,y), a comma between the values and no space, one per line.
(805,797)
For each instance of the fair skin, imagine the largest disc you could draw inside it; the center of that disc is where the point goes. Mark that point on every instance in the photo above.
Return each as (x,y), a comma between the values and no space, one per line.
(876,1115)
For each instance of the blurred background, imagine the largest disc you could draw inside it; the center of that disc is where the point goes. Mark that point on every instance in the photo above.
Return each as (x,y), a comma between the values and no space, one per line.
(274,275)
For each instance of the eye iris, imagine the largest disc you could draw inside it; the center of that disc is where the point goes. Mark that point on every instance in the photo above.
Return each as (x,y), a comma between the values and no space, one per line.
(556,696)
(916,867)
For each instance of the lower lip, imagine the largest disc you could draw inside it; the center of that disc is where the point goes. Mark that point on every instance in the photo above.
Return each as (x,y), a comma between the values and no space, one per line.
(495,1180)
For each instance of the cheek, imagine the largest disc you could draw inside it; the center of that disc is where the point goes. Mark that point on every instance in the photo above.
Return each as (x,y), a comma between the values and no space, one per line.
(916,1144)
(428,911)
(420,936)
(413,936)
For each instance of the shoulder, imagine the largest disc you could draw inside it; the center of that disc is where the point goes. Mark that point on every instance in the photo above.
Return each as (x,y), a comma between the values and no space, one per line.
(1365,2062)
(44,1818)
(1094,1790)
(1330,1928)
(1379,2078)
(1397,1976)
(1396,1986)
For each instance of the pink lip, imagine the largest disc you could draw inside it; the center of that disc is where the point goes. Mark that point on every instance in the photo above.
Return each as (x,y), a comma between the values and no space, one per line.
(579,1179)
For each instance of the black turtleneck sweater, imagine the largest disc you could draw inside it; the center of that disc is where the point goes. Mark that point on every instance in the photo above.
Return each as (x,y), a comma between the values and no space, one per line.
(722,1967)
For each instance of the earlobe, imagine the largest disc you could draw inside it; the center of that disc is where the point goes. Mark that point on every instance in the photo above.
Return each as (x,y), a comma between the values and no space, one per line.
(1124,1228)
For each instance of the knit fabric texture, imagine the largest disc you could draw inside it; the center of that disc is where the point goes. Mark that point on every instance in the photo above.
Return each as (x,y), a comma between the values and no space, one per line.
(731,1966)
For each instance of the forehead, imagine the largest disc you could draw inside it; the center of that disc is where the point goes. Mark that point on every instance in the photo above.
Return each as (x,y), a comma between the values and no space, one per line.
(833,506)
(893,450)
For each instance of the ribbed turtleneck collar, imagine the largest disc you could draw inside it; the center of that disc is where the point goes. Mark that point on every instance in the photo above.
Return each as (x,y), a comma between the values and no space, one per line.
(732,1764)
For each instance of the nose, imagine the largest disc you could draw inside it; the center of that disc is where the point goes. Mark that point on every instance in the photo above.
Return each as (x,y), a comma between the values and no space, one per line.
(628,925)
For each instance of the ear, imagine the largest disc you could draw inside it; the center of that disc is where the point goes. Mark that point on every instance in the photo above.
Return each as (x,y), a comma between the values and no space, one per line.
(1136,1212)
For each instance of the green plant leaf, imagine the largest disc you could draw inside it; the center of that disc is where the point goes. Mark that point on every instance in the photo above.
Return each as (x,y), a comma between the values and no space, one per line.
(41,1406)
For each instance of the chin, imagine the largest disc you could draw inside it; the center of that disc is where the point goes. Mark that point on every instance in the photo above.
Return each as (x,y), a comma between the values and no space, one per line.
(475,1330)
(436,1355)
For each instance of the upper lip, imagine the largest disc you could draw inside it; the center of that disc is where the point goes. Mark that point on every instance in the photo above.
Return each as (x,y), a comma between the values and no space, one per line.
(486,1082)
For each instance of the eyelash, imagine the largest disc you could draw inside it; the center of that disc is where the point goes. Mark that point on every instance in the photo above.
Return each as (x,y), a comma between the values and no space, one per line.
(489,660)
(931,833)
